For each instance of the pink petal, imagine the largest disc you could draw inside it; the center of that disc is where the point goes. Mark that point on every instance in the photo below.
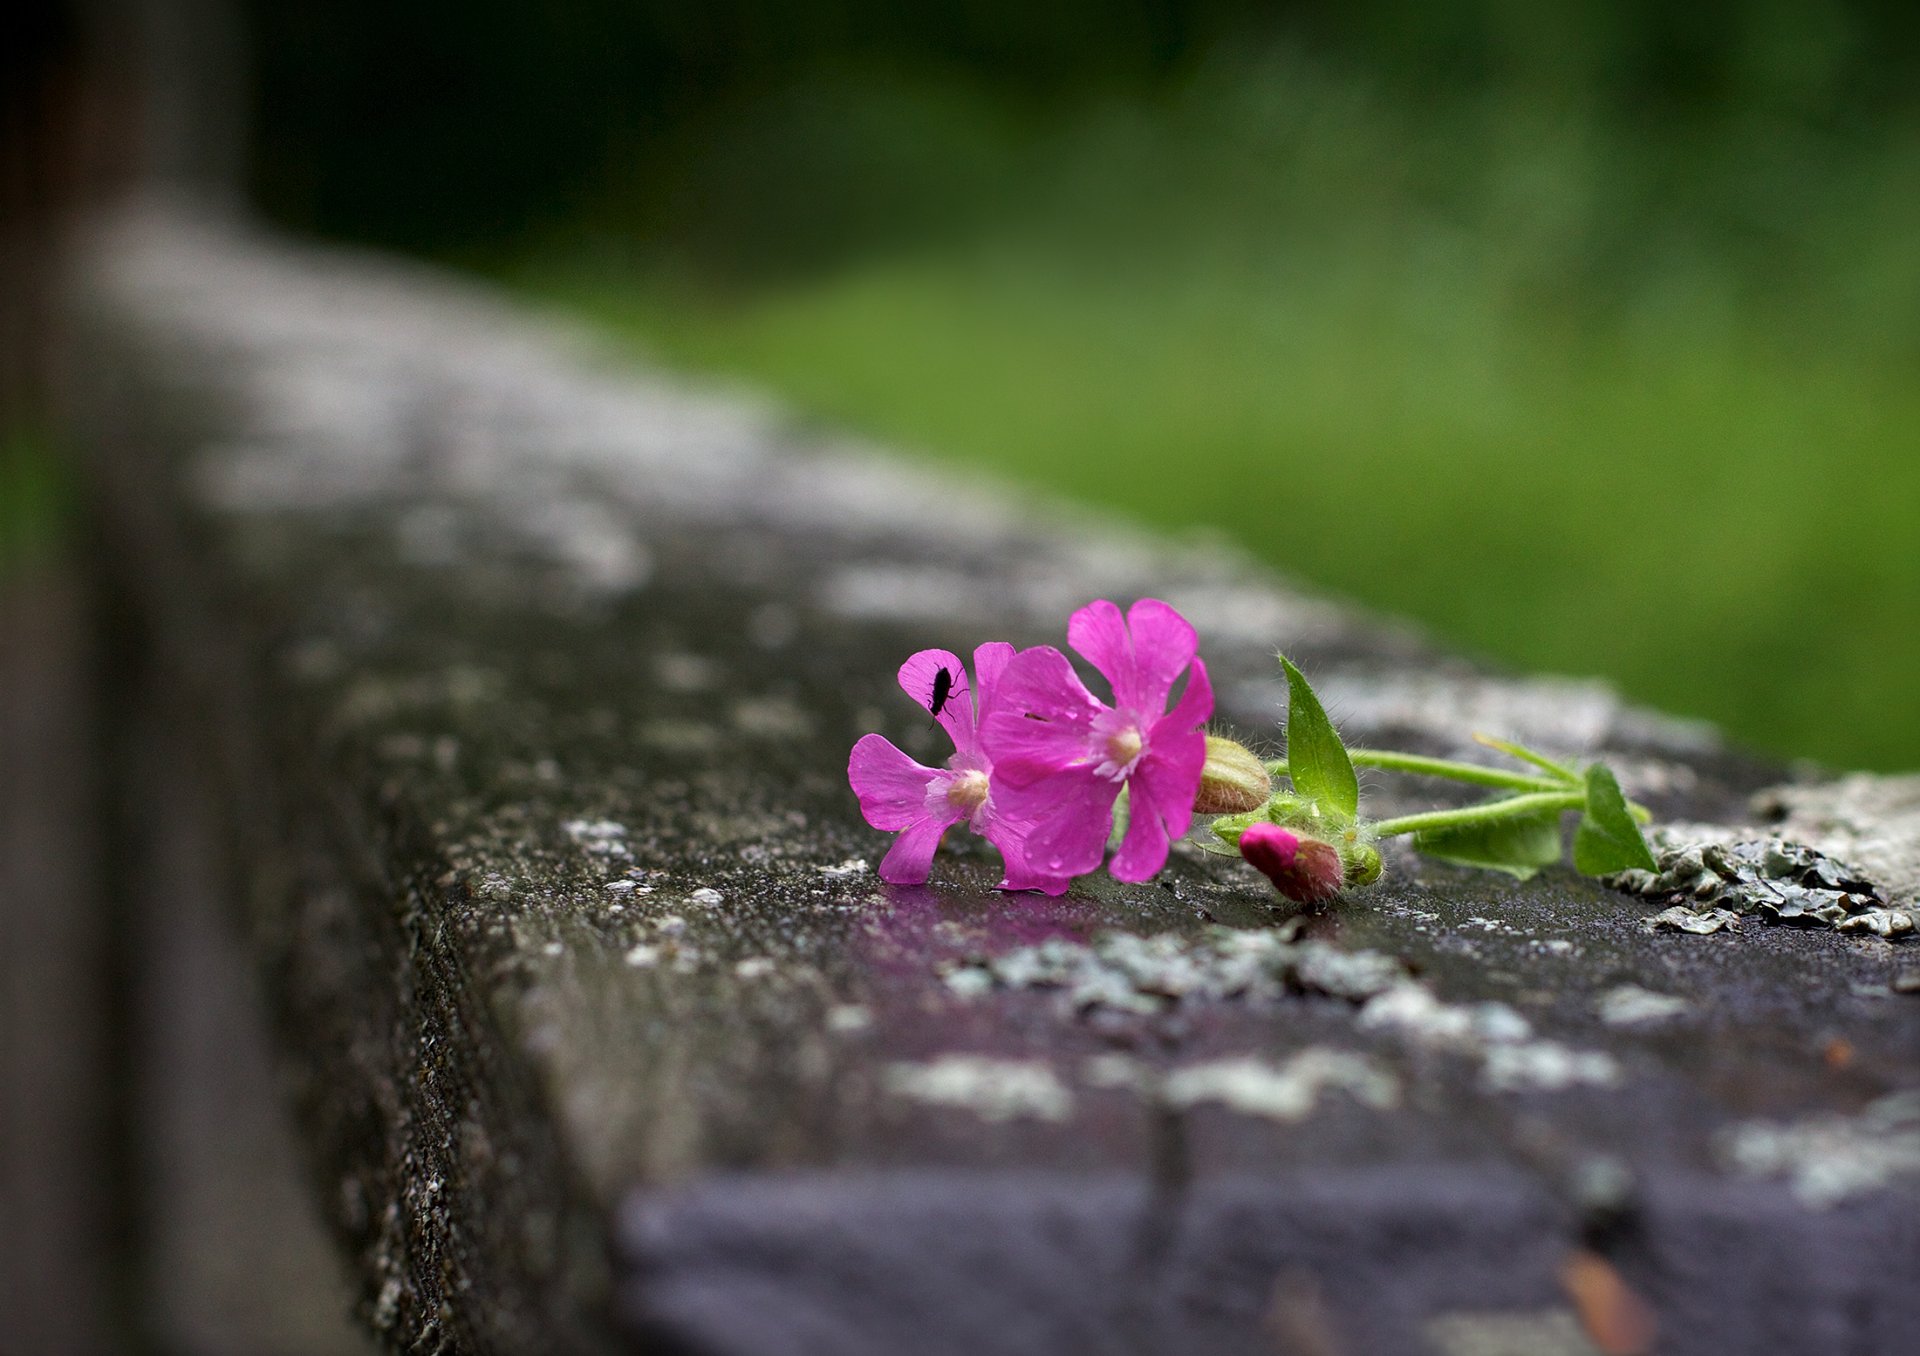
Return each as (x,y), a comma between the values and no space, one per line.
(1168,778)
(1010,838)
(1025,880)
(918,676)
(1041,682)
(1144,850)
(911,857)
(1037,682)
(1099,634)
(1071,815)
(892,787)
(1023,751)
(989,662)
(1195,704)
(1164,643)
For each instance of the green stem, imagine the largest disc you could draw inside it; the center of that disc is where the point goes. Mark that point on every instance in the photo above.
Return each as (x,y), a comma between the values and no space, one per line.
(1459,772)
(1439,767)
(1474,773)
(1491,812)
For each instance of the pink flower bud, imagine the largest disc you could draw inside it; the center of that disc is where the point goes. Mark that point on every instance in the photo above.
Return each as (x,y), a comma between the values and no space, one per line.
(1305,870)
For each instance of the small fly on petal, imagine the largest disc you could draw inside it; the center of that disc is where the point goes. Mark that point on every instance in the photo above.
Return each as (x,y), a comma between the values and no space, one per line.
(942,689)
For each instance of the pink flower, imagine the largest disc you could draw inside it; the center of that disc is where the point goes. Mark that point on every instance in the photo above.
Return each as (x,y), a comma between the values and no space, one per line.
(1303,869)
(1061,755)
(922,803)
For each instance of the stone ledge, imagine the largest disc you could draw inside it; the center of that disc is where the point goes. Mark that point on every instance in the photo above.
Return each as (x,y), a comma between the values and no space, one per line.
(531,679)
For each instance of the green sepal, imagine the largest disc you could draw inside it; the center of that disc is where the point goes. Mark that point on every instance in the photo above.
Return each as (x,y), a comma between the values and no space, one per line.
(1522,753)
(1122,816)
(1317,761)
(1519,846)
(1608,839)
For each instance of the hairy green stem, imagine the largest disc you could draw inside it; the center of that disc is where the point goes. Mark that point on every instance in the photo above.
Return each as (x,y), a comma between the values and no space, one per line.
(1439,767)
(1473,773)
(1460,772)
(1491,812)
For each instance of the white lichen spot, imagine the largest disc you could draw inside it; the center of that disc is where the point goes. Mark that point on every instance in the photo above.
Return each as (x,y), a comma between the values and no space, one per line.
(680,672)
(1631,1005)
(589,540)
(1511,1059)
(1412,1010)
(1700,922)
(852,866)
(969,982)
(386,1306)
(754,967)
(992,1089)
(620,887)
(1282,1092)
(1499,1332)
(643,955)
(877,591)
(602,837)
(771,718)
(1545,1066)
(1829,1159)
(707,897)
(1864,818)
(844,1019)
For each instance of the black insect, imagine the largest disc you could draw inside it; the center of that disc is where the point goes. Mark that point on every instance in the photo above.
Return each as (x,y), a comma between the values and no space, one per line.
(942,690)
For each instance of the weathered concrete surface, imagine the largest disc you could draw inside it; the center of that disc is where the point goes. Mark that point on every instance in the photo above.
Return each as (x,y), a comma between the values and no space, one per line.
(531,679)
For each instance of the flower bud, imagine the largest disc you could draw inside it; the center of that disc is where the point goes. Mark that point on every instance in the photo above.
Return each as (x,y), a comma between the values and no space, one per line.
(1305,870)
(1232,781)
(1363,864)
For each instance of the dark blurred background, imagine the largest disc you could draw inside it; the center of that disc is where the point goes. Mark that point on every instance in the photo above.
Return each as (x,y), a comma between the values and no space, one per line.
(1585,333)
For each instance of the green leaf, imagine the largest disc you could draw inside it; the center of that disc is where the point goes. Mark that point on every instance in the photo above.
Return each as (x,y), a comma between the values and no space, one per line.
(1608,839)
(1317,761)
(1519,846)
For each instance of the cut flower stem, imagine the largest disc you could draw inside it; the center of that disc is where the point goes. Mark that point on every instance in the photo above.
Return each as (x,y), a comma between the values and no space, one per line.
(1474,774)
(1491,813)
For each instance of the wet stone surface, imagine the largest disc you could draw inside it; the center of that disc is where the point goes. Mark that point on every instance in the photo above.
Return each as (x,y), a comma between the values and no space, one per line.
(533,678)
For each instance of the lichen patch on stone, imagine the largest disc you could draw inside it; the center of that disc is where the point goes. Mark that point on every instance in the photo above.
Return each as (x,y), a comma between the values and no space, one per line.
(1125,972)
(1511,1058)
(1631,1005)
(993,1089)
(1829,1159)
(1781,882)
(1287,1091)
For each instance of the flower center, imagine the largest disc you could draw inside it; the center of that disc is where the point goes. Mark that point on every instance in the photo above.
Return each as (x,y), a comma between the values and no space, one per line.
(1118,747)
(967,792)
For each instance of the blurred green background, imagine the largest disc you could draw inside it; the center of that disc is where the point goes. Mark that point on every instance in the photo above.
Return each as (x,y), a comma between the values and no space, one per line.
(1584,333)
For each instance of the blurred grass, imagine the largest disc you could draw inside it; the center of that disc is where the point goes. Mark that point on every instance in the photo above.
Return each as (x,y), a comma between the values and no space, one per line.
(1581,391)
